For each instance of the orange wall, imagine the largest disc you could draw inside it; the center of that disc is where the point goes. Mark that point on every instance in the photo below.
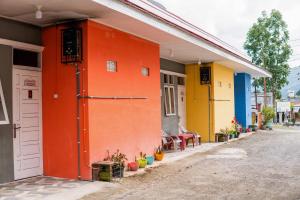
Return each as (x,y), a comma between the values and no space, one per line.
(129,125)
(59,115)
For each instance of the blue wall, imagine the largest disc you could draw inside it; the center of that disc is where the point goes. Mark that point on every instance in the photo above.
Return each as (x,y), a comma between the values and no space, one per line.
(242,98)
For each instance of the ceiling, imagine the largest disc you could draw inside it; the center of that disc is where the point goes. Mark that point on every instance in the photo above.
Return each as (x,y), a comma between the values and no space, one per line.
(56,11)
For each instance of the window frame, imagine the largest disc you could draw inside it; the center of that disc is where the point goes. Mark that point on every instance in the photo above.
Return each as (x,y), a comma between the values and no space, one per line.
(2,99)
(168,100)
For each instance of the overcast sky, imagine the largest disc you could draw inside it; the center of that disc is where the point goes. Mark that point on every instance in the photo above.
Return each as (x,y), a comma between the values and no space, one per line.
(230,20)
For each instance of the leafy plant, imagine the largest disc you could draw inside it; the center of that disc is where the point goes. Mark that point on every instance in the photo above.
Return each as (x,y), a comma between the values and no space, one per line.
(118,158)
(267,44)
(225,131)
(159,150)
(235,125)
(268,113)
(142,155)
(298,93)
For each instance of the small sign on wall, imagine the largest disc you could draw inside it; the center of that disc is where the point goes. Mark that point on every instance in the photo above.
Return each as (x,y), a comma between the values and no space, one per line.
(30,83)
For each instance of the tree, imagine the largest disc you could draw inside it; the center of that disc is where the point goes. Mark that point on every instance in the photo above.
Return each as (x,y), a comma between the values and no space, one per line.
(298,93)
(267,44)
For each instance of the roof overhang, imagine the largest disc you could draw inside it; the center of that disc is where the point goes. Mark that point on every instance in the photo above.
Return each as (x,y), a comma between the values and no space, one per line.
(179,40)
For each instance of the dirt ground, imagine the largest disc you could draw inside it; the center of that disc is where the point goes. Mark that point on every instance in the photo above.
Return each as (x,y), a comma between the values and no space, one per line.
(263,166)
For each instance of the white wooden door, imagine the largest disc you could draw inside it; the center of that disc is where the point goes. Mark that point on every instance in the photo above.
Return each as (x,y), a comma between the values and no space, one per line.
(182,105)
(27,121)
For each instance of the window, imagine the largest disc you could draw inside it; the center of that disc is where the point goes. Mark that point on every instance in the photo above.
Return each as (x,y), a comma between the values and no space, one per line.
(3,110)
(169,91)
(168,79)
(169,94)
(26,58)
(180,81)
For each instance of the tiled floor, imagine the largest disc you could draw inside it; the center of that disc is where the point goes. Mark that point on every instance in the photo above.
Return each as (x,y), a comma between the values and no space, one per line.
(47,188)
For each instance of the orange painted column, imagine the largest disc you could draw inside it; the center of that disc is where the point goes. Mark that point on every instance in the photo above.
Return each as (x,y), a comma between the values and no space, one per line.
(59,109)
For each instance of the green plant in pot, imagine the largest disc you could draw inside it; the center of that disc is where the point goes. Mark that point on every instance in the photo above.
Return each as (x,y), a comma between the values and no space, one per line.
(159,153)
(224,136)
(142,161)
(236,128)
(232,134)
(119,160)
(268,115)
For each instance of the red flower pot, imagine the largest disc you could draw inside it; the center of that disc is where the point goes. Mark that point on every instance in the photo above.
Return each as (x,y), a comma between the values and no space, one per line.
(133,166)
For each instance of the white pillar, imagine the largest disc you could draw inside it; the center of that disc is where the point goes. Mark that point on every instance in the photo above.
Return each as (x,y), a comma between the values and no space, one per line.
(280,117)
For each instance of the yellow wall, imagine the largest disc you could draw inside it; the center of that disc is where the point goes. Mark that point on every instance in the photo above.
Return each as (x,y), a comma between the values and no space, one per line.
(223,96)
(221,100)
(197,103)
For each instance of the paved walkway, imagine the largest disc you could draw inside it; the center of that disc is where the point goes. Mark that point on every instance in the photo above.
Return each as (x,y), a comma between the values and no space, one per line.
(47,188)
(263,166)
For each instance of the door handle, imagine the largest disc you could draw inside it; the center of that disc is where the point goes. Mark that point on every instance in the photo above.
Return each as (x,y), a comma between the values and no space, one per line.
(15,130)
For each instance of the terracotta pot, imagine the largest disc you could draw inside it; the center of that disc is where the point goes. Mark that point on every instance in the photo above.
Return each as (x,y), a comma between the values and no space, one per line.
(159,156)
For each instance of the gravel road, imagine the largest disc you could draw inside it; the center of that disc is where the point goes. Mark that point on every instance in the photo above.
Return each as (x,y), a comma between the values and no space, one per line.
(263,166)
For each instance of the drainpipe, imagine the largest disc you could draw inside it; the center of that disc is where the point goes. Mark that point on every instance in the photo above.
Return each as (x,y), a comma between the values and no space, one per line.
(78,119)
(208,86)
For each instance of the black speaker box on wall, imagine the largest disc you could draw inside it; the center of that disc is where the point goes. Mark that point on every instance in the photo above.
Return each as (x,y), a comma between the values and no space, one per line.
(71,45)
(205,75)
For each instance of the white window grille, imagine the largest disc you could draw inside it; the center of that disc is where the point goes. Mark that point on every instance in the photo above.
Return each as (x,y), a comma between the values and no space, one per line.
(169,91)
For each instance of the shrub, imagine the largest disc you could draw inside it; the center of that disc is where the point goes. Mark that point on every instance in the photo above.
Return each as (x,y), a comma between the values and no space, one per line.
(268,113)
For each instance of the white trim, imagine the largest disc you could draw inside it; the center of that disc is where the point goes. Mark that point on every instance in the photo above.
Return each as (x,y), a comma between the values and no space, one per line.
(2,99)
(172,73)
(39,69)
(21,45)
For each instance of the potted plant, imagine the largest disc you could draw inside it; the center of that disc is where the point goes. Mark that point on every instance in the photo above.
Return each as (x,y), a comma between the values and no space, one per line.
(150,160)
(119,160)
(159,154)
(268,114)
(224,136)
(142,160)
(236,128)
(133,166)
(252,128)
(232,134)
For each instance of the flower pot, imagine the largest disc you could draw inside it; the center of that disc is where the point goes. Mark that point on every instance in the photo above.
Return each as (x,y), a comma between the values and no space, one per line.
(142,163)
(117,171)
(133,166)
(269,125)
(159,156)
(150,160)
